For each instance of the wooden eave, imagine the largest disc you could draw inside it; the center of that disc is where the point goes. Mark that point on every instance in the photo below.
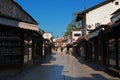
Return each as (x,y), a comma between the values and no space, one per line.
(12,18)
(13,22)
(116,12)
(80,17)
(35,22)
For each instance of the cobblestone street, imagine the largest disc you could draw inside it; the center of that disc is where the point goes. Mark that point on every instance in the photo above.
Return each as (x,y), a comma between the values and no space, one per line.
(60,66)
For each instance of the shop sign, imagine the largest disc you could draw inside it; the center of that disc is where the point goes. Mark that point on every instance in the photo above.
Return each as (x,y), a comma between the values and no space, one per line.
(47,35)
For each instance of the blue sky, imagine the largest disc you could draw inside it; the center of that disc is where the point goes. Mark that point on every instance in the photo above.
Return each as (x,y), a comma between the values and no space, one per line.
(54,15)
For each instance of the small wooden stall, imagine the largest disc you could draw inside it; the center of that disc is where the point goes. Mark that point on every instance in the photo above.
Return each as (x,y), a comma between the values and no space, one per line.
(80,46)
(47,48)
(20,38)
(112,48)
(47,43)
(95,44)
(105,47)
(19,46)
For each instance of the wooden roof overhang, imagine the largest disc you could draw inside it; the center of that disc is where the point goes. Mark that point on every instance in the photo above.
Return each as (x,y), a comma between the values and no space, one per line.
(18,23)
(80,17)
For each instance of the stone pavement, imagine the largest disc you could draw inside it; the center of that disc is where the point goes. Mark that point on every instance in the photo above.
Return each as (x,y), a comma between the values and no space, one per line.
(60,66)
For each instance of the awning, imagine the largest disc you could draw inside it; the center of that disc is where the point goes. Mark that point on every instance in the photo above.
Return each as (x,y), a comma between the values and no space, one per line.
(93,34)
(20,24)
(82,37)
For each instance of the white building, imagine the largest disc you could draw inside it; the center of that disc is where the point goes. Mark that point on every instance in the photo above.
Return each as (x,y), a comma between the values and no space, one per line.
(97,15)
(76,35)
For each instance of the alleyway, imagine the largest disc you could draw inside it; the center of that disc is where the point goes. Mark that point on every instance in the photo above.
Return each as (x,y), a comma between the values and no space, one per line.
(60,66)
(65,67)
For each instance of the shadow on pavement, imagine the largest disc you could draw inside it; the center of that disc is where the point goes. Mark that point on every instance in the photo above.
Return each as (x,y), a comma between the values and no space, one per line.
(92,77)
(94,66)
(48,70)
(16,73)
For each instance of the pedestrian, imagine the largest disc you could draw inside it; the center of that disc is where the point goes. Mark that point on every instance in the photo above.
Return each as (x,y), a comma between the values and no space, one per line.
(65,50)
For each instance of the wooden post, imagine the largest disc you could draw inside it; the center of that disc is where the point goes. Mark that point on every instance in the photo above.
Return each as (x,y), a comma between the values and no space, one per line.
(117,53)
(22,47)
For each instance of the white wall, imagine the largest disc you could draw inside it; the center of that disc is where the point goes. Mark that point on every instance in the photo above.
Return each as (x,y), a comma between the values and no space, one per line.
(74,38)
(102,14)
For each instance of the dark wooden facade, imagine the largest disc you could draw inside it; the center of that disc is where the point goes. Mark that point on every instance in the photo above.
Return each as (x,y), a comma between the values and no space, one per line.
(19,46)
(112,48)
(20,38)
(104,48)
(101,46)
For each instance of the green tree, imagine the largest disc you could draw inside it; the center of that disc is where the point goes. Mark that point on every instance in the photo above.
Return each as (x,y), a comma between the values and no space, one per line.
(77,26)
(69,30)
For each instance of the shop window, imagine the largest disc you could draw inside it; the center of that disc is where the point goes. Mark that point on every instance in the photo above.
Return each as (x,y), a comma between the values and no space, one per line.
(77,34)
(112,53)
(26,49)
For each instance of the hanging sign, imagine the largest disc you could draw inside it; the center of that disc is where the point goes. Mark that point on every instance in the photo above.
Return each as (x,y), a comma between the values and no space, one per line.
(47,35)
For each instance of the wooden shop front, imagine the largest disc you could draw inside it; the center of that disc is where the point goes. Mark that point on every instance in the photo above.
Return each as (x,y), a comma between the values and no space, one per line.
(20,37)
(112,48)
(19,46)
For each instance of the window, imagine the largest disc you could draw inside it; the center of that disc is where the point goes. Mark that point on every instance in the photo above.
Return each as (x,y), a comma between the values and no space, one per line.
(77,34)
(116,3)
(112,52)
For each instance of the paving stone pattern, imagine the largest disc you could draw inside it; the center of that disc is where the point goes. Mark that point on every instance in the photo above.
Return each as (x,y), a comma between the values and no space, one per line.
(60,66)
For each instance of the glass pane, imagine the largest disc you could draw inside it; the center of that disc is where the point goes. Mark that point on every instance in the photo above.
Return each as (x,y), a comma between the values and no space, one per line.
(112,52)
